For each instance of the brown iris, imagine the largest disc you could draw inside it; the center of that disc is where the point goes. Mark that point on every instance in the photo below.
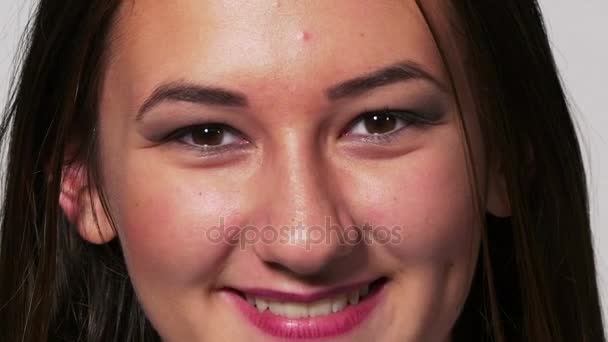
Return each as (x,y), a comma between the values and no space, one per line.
(208,135)
(380,123)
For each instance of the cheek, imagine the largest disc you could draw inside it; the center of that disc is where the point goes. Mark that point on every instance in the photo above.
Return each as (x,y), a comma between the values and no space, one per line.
(426,201)
(165,225)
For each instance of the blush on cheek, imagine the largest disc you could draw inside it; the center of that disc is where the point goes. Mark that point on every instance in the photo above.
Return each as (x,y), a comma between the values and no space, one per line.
(165,240)
(432,219)
(423,239)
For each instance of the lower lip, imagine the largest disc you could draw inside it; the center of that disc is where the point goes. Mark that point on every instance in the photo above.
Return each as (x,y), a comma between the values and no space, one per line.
(329,325)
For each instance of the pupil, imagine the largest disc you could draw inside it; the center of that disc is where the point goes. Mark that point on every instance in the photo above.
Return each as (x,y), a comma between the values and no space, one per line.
(208,136)
(380,123)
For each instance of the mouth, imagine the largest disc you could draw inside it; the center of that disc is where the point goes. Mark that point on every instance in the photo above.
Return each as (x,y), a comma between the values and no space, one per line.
(322,314)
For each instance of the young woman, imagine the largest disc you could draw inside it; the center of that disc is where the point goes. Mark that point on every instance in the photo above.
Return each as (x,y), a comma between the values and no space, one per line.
(293,170)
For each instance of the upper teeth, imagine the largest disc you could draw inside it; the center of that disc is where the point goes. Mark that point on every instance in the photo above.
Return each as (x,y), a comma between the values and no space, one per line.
(318,308)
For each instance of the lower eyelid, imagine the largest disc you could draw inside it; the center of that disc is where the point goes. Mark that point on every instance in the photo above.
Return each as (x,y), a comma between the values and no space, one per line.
(213,151)
(385,138)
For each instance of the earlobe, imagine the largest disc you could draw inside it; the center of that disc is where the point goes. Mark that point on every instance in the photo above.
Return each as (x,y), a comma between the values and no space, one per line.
(84,209)
(497,197)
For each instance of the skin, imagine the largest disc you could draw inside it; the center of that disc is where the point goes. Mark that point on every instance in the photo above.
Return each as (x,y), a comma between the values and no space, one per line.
(294,165)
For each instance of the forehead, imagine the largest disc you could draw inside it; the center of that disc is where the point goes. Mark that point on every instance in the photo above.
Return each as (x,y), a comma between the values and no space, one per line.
(291,44)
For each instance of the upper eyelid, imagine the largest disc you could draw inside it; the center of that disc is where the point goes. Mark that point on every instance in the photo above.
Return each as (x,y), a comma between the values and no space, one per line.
(411,116)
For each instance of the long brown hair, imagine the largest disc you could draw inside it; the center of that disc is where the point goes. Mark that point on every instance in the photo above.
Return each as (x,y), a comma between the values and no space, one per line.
(535,278)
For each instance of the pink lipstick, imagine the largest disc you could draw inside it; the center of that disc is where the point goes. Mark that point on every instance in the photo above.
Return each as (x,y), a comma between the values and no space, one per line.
(327,313)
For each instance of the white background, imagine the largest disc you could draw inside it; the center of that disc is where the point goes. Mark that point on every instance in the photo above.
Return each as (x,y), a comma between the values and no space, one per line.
(578,32)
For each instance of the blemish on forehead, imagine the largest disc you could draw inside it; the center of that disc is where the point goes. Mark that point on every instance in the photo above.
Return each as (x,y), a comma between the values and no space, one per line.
(304,36)
(277,3)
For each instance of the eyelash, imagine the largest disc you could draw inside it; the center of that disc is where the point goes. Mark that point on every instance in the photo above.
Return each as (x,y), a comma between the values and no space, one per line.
(408,118)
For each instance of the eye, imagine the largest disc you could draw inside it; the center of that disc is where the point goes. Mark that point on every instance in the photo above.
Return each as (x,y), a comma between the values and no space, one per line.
(208,137)
(377,123)
(383,125)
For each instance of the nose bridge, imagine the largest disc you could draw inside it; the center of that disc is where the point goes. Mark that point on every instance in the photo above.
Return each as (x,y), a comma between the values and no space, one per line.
(306,188)
(302,184)
(303,205)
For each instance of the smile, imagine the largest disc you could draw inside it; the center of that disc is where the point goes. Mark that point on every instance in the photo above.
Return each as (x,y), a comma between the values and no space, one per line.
(322,314)
(317,308)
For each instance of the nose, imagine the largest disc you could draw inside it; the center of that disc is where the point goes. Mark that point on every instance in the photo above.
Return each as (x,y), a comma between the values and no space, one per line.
(308,226)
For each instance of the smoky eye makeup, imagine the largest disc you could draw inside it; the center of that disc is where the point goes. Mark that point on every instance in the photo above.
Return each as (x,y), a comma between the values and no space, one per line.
(384,125)
(384,119)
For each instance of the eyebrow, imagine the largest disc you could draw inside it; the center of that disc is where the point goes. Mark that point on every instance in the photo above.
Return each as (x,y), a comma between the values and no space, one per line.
(214,96)
(187,92)
(399,72)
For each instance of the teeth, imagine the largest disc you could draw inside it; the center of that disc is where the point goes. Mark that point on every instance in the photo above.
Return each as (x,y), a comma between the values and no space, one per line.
(296,310)
(277,308)
(339,303)
(261,304)
(302,310)
(320,308)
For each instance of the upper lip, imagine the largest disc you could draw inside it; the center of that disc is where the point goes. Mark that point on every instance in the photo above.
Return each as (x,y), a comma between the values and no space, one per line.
(282,296)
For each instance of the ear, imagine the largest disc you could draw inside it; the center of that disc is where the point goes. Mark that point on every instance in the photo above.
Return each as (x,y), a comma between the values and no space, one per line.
(497,198)
(81,209)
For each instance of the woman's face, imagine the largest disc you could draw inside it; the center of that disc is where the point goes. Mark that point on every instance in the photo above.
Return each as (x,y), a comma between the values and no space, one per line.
(309,121)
